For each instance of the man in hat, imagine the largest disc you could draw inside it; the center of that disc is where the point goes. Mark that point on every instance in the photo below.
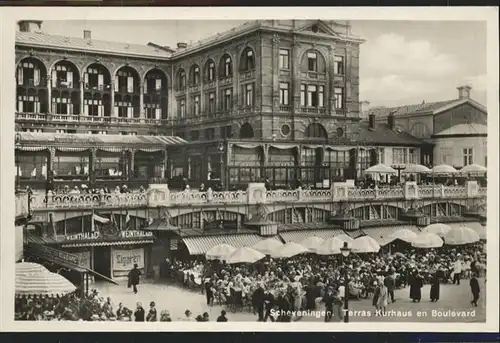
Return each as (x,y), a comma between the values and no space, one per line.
(133,278)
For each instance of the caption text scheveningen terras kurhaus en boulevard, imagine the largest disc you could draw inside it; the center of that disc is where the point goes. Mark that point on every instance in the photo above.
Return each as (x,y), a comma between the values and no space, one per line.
(240,178)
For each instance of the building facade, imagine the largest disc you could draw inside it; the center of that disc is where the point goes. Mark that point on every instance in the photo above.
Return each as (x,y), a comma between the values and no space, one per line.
(276,99)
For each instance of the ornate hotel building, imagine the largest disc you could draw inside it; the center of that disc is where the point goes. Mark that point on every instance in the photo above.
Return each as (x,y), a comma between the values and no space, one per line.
(271,98)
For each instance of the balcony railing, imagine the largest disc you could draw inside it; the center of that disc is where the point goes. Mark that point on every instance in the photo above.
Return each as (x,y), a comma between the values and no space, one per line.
(162,196)
(86,119)
(315,110)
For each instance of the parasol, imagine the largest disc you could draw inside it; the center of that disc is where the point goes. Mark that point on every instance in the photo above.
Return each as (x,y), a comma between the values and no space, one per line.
(244,255)
(39,281)
(437,229)
(473,168)
(345,238)
(427,241)
(330,247)
(405,235)
(220,251)
(380,169)
(312,243)
(267,246)
(416,169)
(443,169)
(365,244)
(289,249)
(461,235)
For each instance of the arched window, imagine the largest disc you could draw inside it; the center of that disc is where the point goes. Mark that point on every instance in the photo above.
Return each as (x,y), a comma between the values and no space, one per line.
(313,62)
(195,76)
(246,131)
(316,131)
(181,80)
(247,61)
(226,69)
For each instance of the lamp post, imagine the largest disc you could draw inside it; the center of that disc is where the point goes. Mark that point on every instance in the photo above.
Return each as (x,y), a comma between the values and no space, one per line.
(18,144)
(220,148)
(345,250)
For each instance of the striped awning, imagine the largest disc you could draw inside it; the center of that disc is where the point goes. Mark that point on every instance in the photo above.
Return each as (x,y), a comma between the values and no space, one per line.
(300,235)
(106,244)
(199,245)
(31,148)
(383,234)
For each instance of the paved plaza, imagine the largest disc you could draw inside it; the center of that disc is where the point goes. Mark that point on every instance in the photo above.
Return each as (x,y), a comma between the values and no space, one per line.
(176,300)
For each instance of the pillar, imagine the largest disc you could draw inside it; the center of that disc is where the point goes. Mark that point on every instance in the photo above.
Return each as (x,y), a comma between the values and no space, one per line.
(51,158)
(82,88)
(331,77)
(49,94)
(295,65)
(165,165)
(112,101)
(141,102)
(131,163)
(93,155)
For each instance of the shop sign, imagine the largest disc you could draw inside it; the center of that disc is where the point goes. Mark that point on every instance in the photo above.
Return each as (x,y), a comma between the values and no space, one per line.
(136,234)
(124,260)
(84,236)
(83,258)
(48,252)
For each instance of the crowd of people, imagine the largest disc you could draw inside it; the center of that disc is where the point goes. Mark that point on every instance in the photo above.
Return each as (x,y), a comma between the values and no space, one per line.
(298,283)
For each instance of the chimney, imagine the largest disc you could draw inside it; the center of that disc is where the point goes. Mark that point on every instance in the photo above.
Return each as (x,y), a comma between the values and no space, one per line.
(391,120)
(464,92)
(87,34)
(30,25)
(371,121)
(182,45)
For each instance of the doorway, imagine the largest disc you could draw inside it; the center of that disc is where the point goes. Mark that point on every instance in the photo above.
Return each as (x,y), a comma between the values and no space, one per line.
(102,261)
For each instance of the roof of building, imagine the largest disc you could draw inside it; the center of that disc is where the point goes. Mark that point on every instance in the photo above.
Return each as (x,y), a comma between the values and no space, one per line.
(75,43)
(382,134)
(41,139)
(465,129)
(422,108)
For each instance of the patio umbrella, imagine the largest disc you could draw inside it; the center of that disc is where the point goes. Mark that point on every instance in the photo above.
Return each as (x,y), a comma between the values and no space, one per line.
(289,249)
(244,255)
(481,231)
(312,243)
(345,238)
(473,168)
(365,244)
(30,282)
(443,169)
(437,229)
(405,235)
(220,251)
(461,235)
(416,169)
(380,169)
(30,268)
(267,246)
(330,247)
(427,241)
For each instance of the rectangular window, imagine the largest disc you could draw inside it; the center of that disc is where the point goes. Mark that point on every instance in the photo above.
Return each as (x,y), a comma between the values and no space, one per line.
(338,95)
(195,135)
(413,156)
(381,155)
(284,59)
(312,62)
(284,93)
(302,95)
(211,102)
(196,105)
(321,96)
(249,95)
(182,108)
(468,156)
(399,155)
(209,134)
(312,96)
(196,76)
(211,71)
(338,65)
(227,104)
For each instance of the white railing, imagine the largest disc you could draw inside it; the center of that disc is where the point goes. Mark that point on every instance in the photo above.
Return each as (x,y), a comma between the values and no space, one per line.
(164,197)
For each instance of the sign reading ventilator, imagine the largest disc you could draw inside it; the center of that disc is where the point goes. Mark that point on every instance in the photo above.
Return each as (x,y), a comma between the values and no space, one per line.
(124,260)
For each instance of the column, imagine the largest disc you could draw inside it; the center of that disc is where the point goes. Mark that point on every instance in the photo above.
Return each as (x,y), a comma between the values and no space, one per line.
(141,103)
(295,65)
(331,77)
(82,86)
(49,95)
(203,110)
(275,71)
(131,163)
(112,101)
(165,165)
(50,160)
(93,155)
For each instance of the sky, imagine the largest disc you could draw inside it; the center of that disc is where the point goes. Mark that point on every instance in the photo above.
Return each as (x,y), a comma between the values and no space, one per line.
(401,62)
